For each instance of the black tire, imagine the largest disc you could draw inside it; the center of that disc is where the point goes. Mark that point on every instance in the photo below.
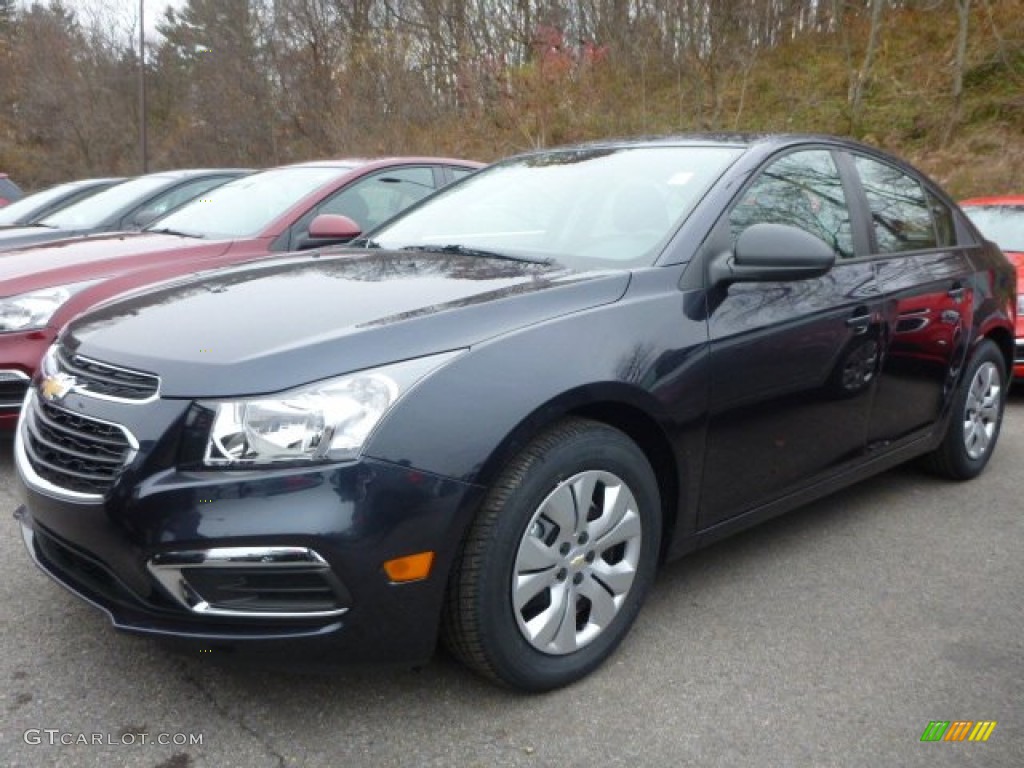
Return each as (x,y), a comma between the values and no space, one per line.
(481,624)
(954,458)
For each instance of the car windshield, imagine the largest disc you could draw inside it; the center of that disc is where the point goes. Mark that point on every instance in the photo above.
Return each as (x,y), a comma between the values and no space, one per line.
(1002,224)
(12,213)
(245,206)
(582,208)
(95,210)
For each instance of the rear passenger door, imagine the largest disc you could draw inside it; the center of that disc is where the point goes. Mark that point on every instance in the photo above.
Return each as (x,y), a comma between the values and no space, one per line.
(927,300)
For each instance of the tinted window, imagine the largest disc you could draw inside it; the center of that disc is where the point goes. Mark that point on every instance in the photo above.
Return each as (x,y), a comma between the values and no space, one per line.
(803,190)
(900,215)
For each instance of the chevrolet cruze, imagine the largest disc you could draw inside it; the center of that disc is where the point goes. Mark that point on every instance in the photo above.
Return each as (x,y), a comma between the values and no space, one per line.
(492,422)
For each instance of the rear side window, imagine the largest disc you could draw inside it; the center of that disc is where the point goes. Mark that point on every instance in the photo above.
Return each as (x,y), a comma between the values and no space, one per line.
(460,173)
(901,216)
(804,190)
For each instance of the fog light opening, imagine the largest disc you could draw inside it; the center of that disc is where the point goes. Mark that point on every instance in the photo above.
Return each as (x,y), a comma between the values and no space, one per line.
(416,567)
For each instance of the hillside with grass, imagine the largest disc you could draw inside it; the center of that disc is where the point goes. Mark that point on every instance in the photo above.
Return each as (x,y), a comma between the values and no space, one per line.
(261,82)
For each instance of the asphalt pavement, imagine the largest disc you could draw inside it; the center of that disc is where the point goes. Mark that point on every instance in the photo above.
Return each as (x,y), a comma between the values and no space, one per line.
(832,636)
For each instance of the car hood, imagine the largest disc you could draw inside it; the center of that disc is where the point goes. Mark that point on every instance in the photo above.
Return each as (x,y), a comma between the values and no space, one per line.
(75,260)
(283,322)
(21,237)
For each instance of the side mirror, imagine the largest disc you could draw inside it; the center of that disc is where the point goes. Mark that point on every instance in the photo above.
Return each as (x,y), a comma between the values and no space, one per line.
(330,229)
(143,218)
(772,253)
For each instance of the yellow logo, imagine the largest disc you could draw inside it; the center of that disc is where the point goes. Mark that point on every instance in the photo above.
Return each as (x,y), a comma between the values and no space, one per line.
(56,387)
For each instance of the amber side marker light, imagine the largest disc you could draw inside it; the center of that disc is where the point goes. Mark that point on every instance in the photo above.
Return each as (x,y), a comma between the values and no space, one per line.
(409,568)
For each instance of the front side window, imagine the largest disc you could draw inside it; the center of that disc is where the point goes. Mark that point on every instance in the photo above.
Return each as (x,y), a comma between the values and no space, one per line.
(370,202)
(803,190)
(900,214)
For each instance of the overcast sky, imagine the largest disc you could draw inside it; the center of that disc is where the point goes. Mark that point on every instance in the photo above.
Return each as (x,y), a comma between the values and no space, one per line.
(126,12)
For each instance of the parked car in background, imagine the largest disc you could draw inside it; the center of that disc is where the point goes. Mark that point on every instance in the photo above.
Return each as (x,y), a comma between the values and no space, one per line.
(9,191)
(41,288)
(130,205)
(31,208)
(496,419)
(1001,220)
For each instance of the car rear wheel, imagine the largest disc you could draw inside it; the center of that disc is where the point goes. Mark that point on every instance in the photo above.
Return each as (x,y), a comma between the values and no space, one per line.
(977,416)
(557,563)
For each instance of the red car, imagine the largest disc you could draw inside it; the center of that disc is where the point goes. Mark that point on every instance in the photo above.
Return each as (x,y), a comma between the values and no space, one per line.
(1001,220)
(283,209)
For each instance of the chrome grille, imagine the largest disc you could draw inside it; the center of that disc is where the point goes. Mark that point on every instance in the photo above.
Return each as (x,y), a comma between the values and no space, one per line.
(107,380)
(74,452)
(13,386)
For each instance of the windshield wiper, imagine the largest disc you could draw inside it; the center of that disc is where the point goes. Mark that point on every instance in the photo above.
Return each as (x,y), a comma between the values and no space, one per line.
(169,231)
(464,250)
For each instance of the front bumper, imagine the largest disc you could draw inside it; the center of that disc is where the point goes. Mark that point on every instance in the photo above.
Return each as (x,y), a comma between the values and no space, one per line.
(125,555)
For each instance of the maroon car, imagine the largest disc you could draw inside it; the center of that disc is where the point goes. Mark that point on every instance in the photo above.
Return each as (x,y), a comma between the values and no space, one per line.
(283,209)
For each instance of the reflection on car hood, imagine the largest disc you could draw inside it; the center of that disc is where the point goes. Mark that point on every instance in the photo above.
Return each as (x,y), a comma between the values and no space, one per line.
(291,320)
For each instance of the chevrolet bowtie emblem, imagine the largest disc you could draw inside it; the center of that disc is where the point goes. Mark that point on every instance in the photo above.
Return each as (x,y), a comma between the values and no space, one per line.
(57,386)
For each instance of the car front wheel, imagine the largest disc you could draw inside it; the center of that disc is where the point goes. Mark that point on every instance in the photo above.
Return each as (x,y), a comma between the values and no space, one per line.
(558,561)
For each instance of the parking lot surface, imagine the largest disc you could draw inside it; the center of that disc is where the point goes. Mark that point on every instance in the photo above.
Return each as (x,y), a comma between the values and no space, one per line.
(828,637)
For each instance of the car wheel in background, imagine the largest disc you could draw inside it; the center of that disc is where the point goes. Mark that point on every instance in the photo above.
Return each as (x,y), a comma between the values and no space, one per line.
(557,563)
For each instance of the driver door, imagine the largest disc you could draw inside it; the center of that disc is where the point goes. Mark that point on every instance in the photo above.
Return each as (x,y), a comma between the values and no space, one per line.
(793,364)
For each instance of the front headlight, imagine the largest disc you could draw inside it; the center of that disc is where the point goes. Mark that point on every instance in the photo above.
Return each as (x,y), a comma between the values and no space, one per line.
(28,311)
(326,421)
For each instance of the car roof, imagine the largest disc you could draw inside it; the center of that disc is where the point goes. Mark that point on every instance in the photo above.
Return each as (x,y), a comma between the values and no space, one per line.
(188,172)
(765,142)
(360,162)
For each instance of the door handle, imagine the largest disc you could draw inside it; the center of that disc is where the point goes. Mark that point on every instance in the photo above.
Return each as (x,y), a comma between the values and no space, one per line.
(859,323)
